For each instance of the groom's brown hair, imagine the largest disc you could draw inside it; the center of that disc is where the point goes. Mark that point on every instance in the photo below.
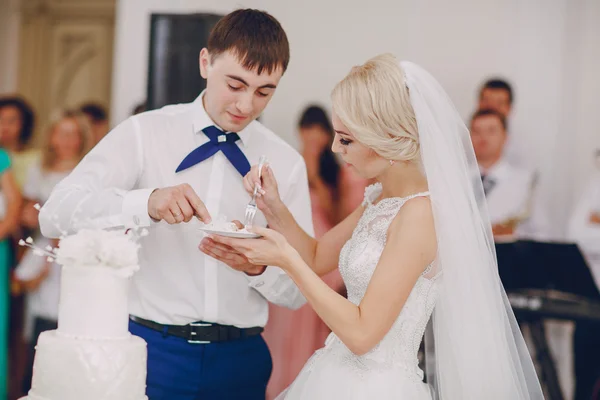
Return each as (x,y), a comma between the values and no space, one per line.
(255,37)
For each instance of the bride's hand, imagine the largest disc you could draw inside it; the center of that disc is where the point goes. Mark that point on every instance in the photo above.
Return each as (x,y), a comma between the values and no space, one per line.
(267,199)
(271,249)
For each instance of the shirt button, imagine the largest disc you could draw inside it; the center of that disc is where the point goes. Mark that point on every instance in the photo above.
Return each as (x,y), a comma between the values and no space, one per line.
(259,284)
(136,220)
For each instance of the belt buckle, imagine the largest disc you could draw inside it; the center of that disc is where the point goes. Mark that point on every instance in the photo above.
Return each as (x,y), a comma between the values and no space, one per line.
(192,333)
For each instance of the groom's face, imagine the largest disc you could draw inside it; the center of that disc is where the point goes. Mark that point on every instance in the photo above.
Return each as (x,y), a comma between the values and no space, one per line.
(235,96)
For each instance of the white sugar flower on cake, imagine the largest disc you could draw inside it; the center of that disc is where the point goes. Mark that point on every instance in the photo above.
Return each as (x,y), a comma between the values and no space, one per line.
(115,250)
(94,248)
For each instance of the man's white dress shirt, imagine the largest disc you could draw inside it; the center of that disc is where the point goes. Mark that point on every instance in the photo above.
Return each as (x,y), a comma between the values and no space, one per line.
(177,283)
(512,194)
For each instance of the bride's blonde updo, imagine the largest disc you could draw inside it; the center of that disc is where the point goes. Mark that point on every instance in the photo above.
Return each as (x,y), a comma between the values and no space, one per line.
(372,101)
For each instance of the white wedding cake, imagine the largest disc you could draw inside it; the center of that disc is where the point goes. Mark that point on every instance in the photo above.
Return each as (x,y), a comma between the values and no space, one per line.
(92,355)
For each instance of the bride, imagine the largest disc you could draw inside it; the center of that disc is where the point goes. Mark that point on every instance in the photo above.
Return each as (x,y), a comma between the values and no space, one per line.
(419,247)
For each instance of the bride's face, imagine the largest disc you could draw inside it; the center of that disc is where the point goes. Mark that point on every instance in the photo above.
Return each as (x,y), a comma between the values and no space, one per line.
(366,162)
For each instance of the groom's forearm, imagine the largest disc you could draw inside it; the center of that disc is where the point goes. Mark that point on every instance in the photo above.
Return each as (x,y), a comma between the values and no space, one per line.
(72,208)
(278,288)
(97,193)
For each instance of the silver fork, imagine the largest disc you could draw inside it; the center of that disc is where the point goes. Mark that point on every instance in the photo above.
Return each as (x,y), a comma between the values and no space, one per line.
(251,207)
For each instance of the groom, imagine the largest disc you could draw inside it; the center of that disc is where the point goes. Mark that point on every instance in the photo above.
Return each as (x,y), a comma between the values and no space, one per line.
(202,320)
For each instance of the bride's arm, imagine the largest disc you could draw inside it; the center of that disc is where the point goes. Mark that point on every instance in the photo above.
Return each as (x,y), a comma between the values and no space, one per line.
(321,255)
(410,248)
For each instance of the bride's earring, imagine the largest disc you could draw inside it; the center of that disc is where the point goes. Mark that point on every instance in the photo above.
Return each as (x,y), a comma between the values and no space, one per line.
(392,162)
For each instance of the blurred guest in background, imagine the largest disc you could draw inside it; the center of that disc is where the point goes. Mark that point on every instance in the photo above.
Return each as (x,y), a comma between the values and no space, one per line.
(16,129)
(98,119)
(68,140)
(335,191)
(17,121)
(9,220)
(497,94)
(509,190)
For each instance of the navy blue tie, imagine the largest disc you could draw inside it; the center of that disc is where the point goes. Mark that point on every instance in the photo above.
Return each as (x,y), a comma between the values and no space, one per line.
(218,141)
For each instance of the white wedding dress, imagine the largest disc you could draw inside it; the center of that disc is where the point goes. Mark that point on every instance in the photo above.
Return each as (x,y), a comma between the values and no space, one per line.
(390,370)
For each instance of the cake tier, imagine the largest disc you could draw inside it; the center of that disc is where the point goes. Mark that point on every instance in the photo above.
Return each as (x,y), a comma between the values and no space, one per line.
(76,369)
(93,303)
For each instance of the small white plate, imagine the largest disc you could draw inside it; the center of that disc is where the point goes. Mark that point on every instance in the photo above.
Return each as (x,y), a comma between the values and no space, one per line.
(238,235)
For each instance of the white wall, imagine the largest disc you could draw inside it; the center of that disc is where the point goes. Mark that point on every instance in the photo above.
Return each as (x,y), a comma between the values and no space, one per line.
(10,21)
(548,49)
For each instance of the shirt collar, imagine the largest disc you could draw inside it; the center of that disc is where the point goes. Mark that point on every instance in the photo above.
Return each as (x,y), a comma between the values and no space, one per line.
(201,120)
(497,170)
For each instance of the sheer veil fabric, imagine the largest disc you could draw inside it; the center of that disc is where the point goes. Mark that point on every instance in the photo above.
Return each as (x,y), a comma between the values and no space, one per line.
(478,351)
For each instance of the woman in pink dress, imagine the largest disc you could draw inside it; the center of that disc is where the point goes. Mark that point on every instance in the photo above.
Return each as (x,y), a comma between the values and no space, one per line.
(335,191)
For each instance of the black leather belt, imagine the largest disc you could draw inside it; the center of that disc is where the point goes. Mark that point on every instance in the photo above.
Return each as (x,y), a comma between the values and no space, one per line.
(200,332)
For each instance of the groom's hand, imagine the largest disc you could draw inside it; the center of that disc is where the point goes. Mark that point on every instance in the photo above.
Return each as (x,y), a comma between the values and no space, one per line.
(230,257)
(177,204)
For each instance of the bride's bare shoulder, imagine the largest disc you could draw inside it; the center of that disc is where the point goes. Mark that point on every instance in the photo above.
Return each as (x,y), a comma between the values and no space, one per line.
(413,228)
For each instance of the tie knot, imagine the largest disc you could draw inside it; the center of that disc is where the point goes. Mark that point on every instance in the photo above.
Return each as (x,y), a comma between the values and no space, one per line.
(217,136)
(488,183)
(219,141)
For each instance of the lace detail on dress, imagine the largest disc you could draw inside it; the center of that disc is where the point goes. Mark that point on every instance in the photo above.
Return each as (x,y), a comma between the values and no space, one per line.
(390,370)
(358,260)
(371,193)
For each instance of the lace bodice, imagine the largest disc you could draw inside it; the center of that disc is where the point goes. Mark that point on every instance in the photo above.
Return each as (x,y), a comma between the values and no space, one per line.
(358,260)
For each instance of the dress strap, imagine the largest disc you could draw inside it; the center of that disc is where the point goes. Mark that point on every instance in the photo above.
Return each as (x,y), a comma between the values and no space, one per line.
(412,196)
